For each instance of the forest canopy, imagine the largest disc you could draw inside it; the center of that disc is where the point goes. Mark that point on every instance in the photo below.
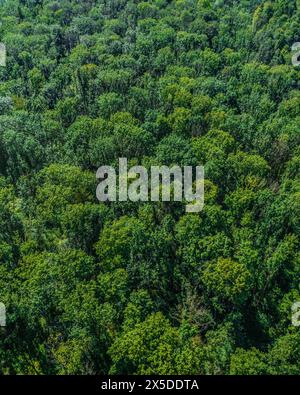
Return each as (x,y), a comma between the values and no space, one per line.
(146,288)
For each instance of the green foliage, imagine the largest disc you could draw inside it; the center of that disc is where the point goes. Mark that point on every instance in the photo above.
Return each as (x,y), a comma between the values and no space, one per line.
(98,288)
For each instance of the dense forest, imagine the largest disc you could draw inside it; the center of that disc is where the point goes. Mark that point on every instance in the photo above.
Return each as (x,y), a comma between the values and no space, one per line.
(146,288)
